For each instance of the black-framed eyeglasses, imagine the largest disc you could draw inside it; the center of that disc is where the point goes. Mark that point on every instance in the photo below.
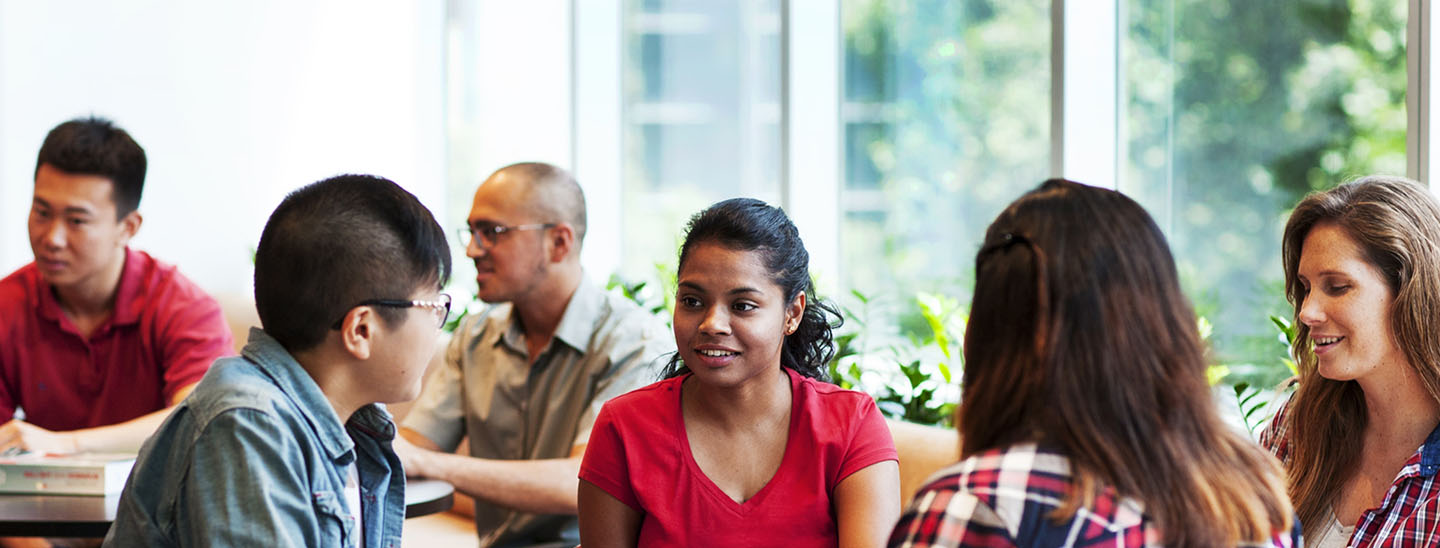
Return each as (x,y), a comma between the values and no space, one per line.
(489,234)
(440,307)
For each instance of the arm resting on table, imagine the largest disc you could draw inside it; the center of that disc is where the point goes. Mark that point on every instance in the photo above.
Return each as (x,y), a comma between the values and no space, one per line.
(543,486)
(124,437)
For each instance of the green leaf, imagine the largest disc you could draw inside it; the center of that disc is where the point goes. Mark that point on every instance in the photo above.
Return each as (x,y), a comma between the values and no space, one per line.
(1250,404)
(1216,373)
(913,374)
(455,319)
(1245,400)
(932,308)
(947,414)
(860,296)
(1286,329)
(917,410)
(855,371)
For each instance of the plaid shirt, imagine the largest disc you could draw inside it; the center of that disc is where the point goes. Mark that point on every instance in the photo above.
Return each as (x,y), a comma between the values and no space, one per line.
(1003,497)
(1408,516)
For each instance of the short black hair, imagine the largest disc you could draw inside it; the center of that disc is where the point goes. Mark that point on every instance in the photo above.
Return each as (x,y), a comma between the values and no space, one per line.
(748,224)
(96,146)
(336,242)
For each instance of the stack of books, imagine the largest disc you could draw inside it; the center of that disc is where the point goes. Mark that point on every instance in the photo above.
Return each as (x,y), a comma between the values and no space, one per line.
(78,474)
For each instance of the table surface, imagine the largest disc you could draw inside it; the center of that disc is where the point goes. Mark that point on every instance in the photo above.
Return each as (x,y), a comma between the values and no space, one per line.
(426,496)
(90,516)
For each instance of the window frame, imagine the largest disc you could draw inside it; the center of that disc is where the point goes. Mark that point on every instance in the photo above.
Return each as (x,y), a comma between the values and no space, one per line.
(1084,40)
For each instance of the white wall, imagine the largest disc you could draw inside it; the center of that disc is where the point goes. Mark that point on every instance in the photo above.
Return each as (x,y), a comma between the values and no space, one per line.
(236,103)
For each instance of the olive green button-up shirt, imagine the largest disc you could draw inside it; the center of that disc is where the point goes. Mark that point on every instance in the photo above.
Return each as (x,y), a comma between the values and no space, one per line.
(604,346)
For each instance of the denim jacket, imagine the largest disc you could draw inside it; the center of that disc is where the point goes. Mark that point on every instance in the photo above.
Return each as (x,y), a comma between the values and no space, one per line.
(257,457)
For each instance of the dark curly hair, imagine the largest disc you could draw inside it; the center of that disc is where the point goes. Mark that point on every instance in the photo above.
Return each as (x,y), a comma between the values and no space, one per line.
(752,225)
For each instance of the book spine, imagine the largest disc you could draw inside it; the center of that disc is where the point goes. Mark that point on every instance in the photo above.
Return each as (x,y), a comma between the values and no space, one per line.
(21,478)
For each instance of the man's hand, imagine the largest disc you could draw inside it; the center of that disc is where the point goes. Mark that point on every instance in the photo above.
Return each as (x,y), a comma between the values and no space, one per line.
(20,435)
(411,457)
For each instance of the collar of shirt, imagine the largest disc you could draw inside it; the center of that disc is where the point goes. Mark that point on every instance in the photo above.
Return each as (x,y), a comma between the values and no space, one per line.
(271,357)
(128,303)
(1402,514)
(1430,454)
(577,323)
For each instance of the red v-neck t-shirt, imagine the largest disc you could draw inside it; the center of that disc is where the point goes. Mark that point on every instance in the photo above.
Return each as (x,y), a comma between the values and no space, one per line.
(639,454)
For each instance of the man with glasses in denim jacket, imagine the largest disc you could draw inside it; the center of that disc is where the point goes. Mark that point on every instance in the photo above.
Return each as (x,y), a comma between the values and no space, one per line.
(525,379)
(285,445)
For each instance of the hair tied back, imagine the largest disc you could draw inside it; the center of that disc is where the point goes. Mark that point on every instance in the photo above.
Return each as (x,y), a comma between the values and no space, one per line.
(1005,240)
(1042,304)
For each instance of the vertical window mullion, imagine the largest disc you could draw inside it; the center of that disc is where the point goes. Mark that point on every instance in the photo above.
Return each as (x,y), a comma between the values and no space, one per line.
(1418,94)
(598,55)
(1085,96)
(810,128)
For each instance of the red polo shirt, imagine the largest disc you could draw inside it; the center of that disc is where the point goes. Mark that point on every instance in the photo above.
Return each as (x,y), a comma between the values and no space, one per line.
(162,337)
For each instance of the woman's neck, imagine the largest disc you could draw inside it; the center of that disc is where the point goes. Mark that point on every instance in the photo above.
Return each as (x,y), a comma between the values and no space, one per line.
(1399,410)
(738,407)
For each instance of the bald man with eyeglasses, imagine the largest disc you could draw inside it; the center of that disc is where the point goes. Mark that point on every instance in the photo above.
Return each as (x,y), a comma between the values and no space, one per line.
(524,380)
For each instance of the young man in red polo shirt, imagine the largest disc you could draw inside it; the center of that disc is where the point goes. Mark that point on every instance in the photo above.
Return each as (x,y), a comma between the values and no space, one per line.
(97,340)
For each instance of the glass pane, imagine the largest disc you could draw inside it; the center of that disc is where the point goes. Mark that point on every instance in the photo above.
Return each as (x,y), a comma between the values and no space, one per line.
(1235,110)
(946,120)
(701,90)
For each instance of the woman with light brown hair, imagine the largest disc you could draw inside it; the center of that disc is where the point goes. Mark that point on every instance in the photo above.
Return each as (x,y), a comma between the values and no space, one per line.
(1086,418)
(1359,437)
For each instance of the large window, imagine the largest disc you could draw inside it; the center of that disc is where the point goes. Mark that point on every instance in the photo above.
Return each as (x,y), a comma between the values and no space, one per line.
(701,91)
(895,130)
(1224,115)
(946,120)
(1233,111)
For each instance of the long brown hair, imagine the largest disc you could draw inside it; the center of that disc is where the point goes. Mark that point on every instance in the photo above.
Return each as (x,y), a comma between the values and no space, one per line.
(1080,339)
(1397,223)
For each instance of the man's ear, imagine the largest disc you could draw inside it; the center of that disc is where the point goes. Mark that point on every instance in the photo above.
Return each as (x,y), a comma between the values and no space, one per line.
(357,331)
(562,242)
(129,225)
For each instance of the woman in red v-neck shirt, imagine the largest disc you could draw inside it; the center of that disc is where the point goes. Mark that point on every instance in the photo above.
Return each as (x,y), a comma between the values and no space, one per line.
(743,443)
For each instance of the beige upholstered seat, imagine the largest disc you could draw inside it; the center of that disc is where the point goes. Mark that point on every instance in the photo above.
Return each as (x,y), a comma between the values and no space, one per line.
(923,451)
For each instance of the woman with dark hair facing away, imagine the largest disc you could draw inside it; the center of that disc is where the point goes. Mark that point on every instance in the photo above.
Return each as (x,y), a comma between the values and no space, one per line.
(1085,418)
(1359,437)
(743,443)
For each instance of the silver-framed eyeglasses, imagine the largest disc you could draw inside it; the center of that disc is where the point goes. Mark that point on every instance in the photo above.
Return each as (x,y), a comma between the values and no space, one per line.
(488,234)
(440,307)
